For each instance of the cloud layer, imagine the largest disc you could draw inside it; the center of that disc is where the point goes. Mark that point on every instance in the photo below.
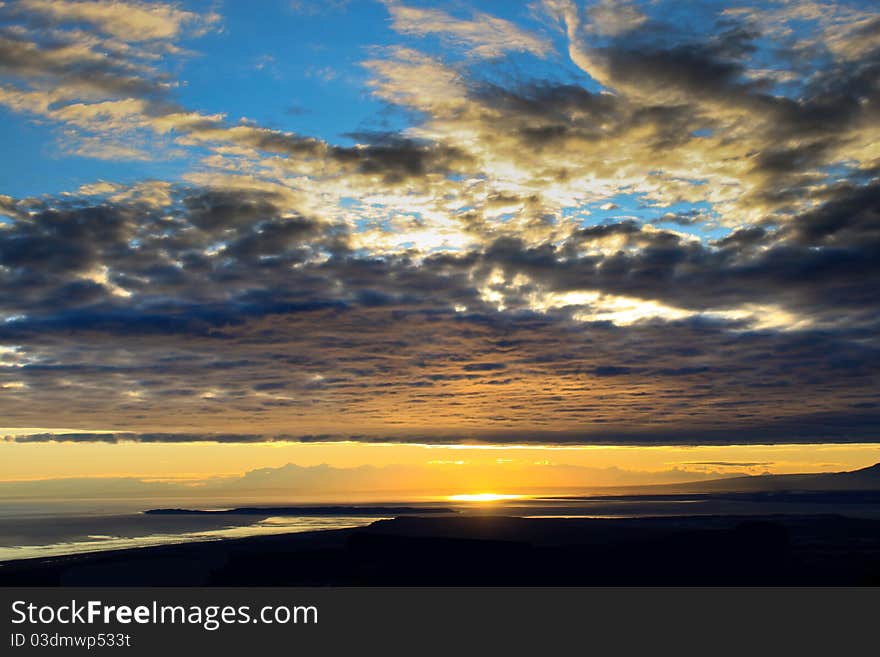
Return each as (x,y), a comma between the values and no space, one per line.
(679,243)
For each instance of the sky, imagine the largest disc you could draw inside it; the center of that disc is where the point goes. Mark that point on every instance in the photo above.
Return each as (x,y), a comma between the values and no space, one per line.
(636,239)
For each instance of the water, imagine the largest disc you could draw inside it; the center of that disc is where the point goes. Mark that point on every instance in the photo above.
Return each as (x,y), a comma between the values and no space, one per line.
(28,531)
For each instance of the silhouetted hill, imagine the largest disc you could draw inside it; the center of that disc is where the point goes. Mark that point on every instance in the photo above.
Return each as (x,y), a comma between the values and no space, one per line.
(865,479)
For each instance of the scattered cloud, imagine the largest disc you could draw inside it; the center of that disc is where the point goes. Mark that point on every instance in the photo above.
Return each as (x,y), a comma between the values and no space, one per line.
(482,35)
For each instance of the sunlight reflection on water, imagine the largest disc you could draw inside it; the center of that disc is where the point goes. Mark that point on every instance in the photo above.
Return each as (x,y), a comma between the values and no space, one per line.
(104,542)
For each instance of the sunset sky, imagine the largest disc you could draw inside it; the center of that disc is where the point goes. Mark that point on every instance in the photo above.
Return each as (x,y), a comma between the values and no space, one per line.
(489,245)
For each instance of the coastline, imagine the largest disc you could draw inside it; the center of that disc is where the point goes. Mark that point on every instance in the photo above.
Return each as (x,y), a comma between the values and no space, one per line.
(496,550)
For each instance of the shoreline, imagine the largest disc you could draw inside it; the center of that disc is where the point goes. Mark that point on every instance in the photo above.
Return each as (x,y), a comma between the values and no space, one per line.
(496,550)
(115,552)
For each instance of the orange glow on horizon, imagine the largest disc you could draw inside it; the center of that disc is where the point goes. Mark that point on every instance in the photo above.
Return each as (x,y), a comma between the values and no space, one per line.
(483,497)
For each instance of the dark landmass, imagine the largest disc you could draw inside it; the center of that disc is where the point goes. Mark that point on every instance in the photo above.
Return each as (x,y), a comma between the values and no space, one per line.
(493,550)
(434,546)
(306,511)
(848,497)
(865,479)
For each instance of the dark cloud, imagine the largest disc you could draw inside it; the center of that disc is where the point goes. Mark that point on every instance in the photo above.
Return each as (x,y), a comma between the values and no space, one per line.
(828,283)
(611,370)
(139,438)
(396,159)
(220,209)
(809,428)
(235,312)
(484,367)
(791,136)
(52,60)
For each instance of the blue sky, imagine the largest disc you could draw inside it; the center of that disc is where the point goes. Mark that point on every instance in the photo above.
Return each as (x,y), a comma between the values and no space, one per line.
(288,66)
(298,67)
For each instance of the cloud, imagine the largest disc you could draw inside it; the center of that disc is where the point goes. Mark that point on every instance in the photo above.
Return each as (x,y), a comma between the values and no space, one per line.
(483,35)
(100,69)
(104,437)
(777,144)
(614,17)
(232,310)
(449,281)
(132,21)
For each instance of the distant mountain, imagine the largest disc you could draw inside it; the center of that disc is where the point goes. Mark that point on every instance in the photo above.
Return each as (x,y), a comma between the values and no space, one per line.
(866,479)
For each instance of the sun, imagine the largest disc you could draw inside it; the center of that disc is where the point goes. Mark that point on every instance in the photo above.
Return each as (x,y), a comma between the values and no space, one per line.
(482,497)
